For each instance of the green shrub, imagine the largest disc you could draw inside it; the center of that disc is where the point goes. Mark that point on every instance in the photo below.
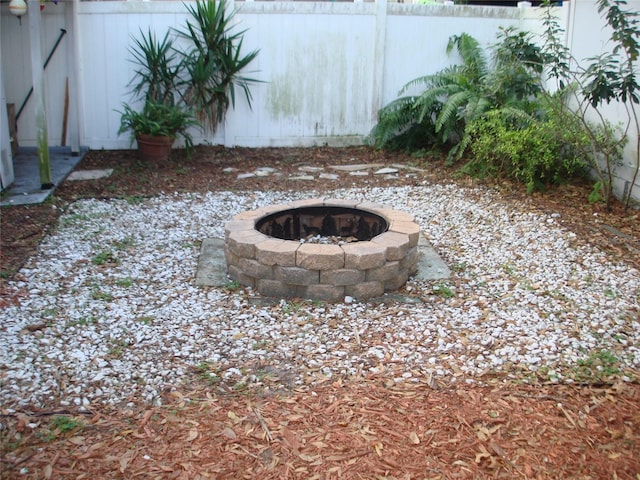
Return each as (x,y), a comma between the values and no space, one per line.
(536,153)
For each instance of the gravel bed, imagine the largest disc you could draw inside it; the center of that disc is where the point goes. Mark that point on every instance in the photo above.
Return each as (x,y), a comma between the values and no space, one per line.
(107,312)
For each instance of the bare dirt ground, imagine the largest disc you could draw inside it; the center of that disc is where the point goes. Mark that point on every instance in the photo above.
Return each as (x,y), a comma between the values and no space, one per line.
(345,429)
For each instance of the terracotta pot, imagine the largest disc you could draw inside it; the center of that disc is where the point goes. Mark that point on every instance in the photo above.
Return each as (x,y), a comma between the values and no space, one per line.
(154,149)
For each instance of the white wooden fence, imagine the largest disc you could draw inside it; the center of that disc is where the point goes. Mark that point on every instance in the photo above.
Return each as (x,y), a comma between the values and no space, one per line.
(327,67)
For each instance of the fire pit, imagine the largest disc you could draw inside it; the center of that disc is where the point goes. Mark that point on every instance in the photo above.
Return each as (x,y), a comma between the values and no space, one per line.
(322,249)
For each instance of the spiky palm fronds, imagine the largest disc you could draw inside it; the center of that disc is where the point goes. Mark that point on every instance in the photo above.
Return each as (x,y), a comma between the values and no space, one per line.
(458,95)
(215,62)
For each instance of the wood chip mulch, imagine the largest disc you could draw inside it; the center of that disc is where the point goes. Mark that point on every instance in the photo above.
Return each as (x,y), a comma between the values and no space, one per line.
(338,430)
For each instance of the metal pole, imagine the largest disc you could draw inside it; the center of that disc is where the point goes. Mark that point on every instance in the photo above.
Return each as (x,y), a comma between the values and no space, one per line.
(53,50)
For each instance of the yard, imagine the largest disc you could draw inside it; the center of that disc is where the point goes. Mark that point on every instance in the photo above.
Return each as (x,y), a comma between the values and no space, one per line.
(523,364)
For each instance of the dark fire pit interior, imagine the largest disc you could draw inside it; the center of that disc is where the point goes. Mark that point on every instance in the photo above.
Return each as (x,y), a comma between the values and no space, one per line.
(300,223)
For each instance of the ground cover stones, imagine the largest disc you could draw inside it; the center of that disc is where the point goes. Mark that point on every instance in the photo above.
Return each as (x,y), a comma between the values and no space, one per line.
(327,272)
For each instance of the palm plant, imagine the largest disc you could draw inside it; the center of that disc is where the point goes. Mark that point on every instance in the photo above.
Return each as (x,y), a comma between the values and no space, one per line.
(180,88)
(456,96)
(214,63)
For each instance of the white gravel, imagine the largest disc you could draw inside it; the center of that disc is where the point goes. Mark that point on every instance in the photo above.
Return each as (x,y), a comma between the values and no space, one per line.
(525,297)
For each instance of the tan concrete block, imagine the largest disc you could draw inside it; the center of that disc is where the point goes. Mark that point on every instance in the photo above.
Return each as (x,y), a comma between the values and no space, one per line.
(339,202)
(255,269)
(342,276)
(410,261)
(243,243)
(364,255)
(275,288)
(238,226)
(239,276)
(363,291)
(398,281)
(250,215)
(382,274)
(327,293)
(395,215)
(319,257)
(371,206)
(310,202)
(231,258)
(411,229)
(277,252)
(396,244)
(296,275)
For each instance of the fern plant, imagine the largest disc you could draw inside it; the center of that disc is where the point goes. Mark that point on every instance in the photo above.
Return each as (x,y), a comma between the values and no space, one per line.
(456,96)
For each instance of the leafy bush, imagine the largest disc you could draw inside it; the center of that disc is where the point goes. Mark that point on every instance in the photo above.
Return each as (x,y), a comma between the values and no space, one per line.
(455,97)
(537,153)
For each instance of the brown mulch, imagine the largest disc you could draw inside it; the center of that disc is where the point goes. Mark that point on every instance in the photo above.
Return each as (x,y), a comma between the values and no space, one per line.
(360,429)
(341,431)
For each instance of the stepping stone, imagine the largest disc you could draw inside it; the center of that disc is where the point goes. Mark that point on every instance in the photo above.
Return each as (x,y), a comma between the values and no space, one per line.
(359,174)
(310,169)
(212,266)
(265,170)
(356,168)
(329,176)
(408,167)
(242,176)
(430,264)
(229,170)
(89,174)
(305,178)
(386,171)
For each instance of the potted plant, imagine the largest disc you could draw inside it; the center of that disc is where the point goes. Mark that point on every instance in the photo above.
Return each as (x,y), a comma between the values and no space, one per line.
(182,88)
(156,83)
(156,127)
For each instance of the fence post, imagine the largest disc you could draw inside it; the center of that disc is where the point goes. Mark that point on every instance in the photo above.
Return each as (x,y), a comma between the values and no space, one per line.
(379,57)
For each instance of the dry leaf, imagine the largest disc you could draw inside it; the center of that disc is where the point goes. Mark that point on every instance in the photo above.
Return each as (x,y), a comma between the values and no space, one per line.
(229,433)
(48,471)
(79,440)
(414,438)
(193,434)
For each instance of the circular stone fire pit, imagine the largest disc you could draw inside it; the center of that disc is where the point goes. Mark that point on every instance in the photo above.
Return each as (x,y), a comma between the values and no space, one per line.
(373,249)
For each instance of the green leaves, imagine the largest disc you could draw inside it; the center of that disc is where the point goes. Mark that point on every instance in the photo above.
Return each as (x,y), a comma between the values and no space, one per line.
(194,85)
(458,95)
(214,62)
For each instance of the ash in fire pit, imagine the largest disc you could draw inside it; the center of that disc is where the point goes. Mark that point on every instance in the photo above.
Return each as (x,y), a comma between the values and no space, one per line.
(264,249)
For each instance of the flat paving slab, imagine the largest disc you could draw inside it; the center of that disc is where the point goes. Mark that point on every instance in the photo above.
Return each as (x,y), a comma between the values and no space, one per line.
(26,188)
(212,266)
(79,175)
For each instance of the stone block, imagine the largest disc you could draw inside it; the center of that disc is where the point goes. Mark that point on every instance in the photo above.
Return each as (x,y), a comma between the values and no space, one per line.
(253,268)
(238,226)
(275,288)
(338,202)
(243,243)
(296,275)
(411,229)
(277,252)
(342,276)
(365,290)
(396,244)
(327,293)
(231,258)
(364,255)
(315,256)
(410,261)
(395,215)
(398,281)
(239,276)
(382,274)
